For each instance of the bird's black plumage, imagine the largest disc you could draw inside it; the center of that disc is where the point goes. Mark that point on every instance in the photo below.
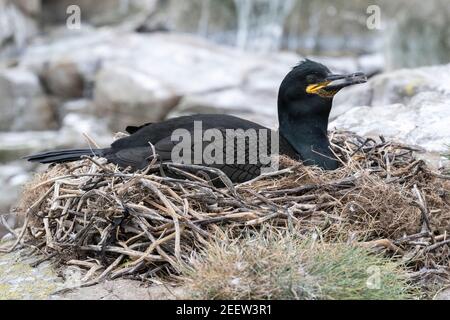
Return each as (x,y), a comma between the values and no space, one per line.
(304,104)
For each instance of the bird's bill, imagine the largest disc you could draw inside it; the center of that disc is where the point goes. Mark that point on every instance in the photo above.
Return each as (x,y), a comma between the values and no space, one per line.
(335,82)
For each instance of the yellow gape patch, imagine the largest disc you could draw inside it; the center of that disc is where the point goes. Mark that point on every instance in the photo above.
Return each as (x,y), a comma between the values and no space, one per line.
(318,88)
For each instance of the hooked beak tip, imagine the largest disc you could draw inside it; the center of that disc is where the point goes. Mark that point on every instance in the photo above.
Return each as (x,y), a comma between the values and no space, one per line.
(341,81)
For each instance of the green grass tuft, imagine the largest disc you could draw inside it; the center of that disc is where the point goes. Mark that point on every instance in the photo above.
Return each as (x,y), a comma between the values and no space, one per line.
(280,265)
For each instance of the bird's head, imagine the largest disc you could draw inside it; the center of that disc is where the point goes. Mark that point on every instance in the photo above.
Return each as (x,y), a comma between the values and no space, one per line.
(304,104)
(311,86)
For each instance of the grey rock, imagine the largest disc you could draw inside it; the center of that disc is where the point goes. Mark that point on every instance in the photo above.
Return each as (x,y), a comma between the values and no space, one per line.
(254,99)
(19,280)
(55,11)
(12,177)
(423,122)
(83,50)
(399,86)
(132,82)
(258,108)
(16,26)
(31,8)
(97,12)
(63,79)
(122,289)
(174,62)
(75,125)
(410,106)
(369,63)
(15,172)
(80,106)
(23,103)
(347,98)
(126,96)
(443,294)
(18,144)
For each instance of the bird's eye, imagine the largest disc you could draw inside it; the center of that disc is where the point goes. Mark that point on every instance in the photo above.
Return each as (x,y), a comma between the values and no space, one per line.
(311,78)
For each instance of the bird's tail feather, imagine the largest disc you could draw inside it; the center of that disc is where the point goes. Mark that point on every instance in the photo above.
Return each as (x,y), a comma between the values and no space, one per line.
(67,155)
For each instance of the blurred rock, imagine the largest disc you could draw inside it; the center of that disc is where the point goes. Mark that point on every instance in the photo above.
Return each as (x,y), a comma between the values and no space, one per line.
(18,144)
(132,82)
(29,7)
(75,125)
(370,64)
(255,99)
(237,102)
(79,106)
(189,65)
(348,98)
(55,11)
(63,79)
(125,96)
(17,27)
(12,177)
(173,58)
(23,104)
(15,172)
(394,87)
(418,36)
(410,105)
(82,50)
(96,12)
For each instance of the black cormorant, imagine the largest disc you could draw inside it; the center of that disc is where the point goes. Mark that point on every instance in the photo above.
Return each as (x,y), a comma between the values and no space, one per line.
(304,103)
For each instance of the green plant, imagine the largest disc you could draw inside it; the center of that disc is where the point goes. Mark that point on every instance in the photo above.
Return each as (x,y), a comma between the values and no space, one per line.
(275,264)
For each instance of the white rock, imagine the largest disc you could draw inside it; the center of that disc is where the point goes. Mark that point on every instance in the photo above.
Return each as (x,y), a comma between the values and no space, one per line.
(369,63)
(410,105)
(255,99)
(15,25)
(98,12)
(63,79)
(81,106)
(394,87)
(74,125)
(140,77)
(12,178)
(23,104)
(20,281)
(126,96)
(258,108)
(424,121)
(29,7)
(18,144)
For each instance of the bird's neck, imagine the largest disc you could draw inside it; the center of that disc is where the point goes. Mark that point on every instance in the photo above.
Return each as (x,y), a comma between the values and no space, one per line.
(307,134)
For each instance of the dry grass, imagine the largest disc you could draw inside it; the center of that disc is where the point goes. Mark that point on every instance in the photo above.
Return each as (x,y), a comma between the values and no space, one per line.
(279,264)
(116,223)
(37,187)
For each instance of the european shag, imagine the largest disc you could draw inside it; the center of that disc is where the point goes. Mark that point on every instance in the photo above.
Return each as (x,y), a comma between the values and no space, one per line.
(304,103)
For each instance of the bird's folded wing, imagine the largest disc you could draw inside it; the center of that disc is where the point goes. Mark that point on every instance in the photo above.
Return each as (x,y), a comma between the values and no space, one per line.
(238,170)
(133,129)
(136,157)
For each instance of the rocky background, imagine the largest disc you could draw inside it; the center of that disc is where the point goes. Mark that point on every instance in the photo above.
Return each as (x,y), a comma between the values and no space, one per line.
(134,61)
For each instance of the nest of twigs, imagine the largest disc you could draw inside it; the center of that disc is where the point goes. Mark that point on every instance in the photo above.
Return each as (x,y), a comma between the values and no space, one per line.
(122,224)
